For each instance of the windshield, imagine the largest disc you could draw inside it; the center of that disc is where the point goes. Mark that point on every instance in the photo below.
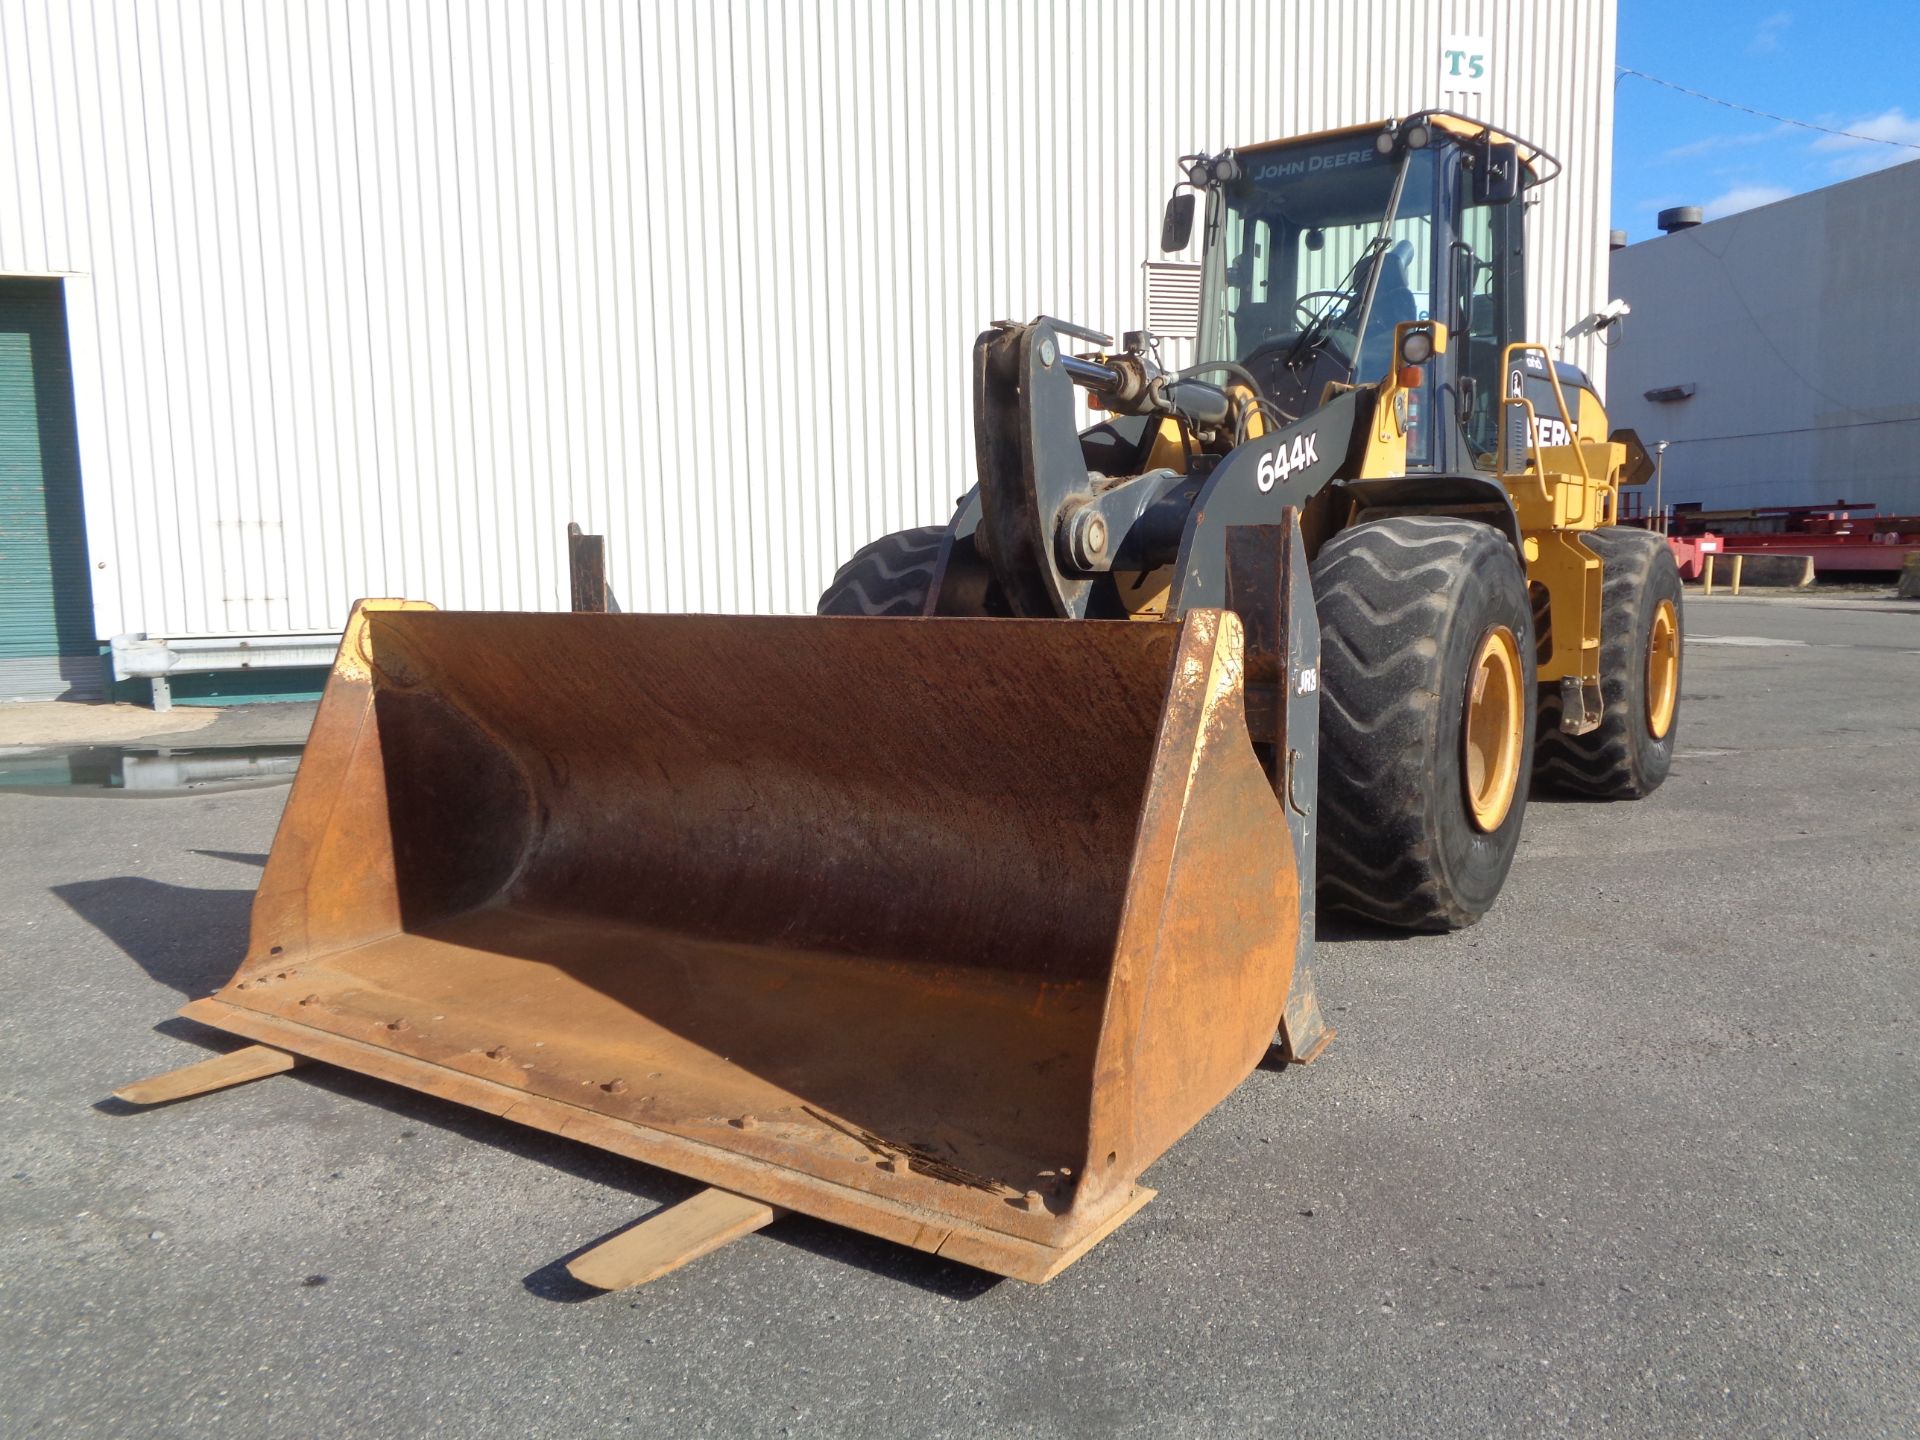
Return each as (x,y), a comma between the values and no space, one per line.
(1298,242)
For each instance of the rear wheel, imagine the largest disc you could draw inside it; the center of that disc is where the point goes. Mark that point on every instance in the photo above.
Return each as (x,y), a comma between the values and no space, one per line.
(892,576)
(1426,718)
(1631,752)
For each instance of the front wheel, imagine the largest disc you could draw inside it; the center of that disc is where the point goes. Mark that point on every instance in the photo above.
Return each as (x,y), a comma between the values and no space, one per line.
(1426,718)
(1631,751)
(892,576)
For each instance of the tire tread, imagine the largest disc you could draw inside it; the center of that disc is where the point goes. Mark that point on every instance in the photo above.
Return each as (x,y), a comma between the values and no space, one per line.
(1383,590)
(891,576)
(1602,764)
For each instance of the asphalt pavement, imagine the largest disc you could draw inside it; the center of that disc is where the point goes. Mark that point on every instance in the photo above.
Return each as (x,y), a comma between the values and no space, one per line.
(1637,1154)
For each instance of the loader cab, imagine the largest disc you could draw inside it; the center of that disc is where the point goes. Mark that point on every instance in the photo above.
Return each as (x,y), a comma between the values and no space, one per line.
(1315,249)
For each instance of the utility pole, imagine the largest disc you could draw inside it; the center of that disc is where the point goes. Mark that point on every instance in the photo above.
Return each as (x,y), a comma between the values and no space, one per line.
(1659,477)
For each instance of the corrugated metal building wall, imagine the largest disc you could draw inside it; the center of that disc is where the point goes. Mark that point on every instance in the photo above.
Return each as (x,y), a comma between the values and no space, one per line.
(1782,337)
(372,298)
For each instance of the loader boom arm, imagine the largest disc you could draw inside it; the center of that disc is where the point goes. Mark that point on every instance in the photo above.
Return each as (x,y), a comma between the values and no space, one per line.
(1051,531)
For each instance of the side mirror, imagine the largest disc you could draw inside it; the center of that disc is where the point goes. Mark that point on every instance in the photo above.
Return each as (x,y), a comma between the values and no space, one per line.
(1496,178)
(1176,227)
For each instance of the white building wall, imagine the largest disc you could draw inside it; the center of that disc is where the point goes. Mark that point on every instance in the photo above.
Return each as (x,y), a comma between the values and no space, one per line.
(1795,324)
(372,298)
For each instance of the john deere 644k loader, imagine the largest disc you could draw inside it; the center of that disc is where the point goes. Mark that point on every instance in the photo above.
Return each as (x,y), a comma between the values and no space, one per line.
(940,916)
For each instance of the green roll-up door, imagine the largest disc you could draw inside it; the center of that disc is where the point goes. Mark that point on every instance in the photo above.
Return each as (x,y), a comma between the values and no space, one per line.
(48,649)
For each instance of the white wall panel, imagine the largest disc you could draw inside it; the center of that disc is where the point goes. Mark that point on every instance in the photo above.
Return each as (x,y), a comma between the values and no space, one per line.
(384,292)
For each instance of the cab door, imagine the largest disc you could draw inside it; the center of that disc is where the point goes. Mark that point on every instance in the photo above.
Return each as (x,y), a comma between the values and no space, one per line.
(1487,310)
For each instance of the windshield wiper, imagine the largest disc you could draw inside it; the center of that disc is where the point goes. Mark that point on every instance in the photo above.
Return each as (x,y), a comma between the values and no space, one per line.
(1317,329)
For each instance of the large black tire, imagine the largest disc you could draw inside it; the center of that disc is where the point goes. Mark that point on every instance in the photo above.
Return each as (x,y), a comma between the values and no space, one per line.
(1406,605)
(892,576)
(1623,759)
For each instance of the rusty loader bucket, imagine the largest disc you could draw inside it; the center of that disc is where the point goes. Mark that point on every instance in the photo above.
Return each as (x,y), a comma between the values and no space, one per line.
(939,929)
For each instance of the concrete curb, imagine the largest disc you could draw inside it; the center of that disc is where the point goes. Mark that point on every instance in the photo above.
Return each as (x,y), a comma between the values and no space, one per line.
(1759,568)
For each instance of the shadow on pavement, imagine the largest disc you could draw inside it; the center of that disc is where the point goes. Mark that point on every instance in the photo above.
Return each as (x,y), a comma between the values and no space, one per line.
(188,939)
(239,857)
(191,940)
(1336,927)
(946,1278)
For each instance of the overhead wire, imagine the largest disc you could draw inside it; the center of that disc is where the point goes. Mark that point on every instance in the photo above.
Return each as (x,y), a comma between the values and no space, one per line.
(1798,430)
(1767,114)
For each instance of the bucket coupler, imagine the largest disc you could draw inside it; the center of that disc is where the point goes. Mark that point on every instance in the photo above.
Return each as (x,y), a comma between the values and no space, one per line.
(1045,524)
(939,929)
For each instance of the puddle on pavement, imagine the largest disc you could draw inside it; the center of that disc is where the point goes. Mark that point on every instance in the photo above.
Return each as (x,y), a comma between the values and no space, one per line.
(150,769)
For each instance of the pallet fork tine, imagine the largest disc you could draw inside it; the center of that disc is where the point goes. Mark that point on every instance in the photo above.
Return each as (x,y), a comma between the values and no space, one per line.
(221,1072)
(662,1242)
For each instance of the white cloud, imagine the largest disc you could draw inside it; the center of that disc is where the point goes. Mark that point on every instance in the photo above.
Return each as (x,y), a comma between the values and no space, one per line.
(1852,156)
(1766,39)
(1744,197)
(1712,144)
(1766,36)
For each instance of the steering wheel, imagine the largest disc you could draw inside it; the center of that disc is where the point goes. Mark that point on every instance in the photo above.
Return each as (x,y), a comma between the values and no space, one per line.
(1337,343)
(1314,315)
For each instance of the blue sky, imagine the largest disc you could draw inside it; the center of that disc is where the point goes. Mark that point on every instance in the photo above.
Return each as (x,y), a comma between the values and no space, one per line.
(1851,66)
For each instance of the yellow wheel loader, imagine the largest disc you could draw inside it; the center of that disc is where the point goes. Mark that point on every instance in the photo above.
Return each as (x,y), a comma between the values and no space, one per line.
(943,914)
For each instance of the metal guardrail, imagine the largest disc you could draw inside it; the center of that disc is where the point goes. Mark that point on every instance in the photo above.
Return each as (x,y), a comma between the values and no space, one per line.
(140,657)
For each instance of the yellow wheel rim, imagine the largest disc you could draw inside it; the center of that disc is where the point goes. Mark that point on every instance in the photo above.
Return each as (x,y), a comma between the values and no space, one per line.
(1663,669)
(1494,715)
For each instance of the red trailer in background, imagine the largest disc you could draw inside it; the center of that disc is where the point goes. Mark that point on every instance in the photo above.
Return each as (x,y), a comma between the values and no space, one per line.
(1837,536)
(1690,552)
